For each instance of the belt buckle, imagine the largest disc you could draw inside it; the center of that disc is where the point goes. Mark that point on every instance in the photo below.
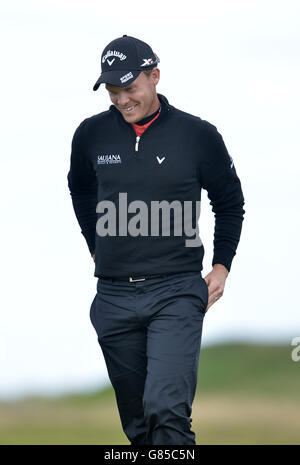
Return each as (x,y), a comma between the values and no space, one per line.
(133,280)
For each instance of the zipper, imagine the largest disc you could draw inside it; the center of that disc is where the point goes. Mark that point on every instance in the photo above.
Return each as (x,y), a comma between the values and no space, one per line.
(137,138)
(137,143)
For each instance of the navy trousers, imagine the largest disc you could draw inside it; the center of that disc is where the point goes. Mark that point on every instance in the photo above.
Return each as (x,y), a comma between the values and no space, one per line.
(150,336)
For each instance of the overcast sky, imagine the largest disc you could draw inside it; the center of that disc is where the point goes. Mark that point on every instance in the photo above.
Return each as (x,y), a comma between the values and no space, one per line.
(233,63)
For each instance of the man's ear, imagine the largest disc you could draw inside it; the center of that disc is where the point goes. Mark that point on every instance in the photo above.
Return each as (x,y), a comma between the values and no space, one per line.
(156,76)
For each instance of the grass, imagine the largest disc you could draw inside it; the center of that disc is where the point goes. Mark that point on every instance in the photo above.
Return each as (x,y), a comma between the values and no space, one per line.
(264,370)
(246,394)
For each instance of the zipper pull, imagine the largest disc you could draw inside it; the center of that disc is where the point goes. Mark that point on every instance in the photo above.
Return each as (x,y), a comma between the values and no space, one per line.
(137,143)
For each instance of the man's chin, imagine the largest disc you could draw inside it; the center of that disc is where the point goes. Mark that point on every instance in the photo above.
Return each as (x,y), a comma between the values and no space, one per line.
(131,118)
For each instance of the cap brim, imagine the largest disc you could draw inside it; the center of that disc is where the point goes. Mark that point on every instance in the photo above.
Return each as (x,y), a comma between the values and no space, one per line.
(117,78)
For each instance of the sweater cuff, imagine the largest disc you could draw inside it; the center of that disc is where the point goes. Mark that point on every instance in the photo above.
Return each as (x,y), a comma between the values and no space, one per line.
(224,256)
(90,239)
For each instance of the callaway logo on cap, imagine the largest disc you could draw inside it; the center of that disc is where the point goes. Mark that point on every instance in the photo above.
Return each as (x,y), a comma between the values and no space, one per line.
(123,60)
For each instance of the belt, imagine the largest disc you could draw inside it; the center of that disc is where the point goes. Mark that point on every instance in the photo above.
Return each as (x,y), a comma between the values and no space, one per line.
(132,279)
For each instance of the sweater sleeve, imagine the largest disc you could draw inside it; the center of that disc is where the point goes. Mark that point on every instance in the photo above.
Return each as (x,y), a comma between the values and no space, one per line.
(82,183)
(219,178)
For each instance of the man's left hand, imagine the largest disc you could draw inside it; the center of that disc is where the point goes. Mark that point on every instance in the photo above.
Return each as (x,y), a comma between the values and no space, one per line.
(216,283)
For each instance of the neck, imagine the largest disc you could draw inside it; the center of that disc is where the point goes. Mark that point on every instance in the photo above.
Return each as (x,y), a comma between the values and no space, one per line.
(147,119)
(156,105)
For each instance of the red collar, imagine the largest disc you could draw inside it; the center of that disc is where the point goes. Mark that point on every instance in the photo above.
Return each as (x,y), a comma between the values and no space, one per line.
(140,129)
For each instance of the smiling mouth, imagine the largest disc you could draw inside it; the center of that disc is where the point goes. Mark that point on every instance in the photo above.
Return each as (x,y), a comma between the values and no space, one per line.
(129,109)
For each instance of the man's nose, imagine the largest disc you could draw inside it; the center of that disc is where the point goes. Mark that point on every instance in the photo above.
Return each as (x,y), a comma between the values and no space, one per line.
(122,99)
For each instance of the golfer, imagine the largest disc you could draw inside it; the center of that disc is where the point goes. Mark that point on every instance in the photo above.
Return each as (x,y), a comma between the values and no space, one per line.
(136,175)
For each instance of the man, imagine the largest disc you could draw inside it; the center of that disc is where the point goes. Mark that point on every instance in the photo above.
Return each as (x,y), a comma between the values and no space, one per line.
(135,178)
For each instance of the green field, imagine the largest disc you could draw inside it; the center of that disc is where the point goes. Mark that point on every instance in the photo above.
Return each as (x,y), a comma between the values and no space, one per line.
(246,394)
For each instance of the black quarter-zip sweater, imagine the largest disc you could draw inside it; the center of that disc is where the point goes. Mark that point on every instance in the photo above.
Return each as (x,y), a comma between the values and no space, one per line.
(178,155)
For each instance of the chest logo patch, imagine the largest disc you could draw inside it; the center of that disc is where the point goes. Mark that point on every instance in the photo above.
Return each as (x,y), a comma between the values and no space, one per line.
(108,159)
(160,160)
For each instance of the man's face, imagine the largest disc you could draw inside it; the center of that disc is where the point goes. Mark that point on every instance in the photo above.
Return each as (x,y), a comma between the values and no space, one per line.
(137,100)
